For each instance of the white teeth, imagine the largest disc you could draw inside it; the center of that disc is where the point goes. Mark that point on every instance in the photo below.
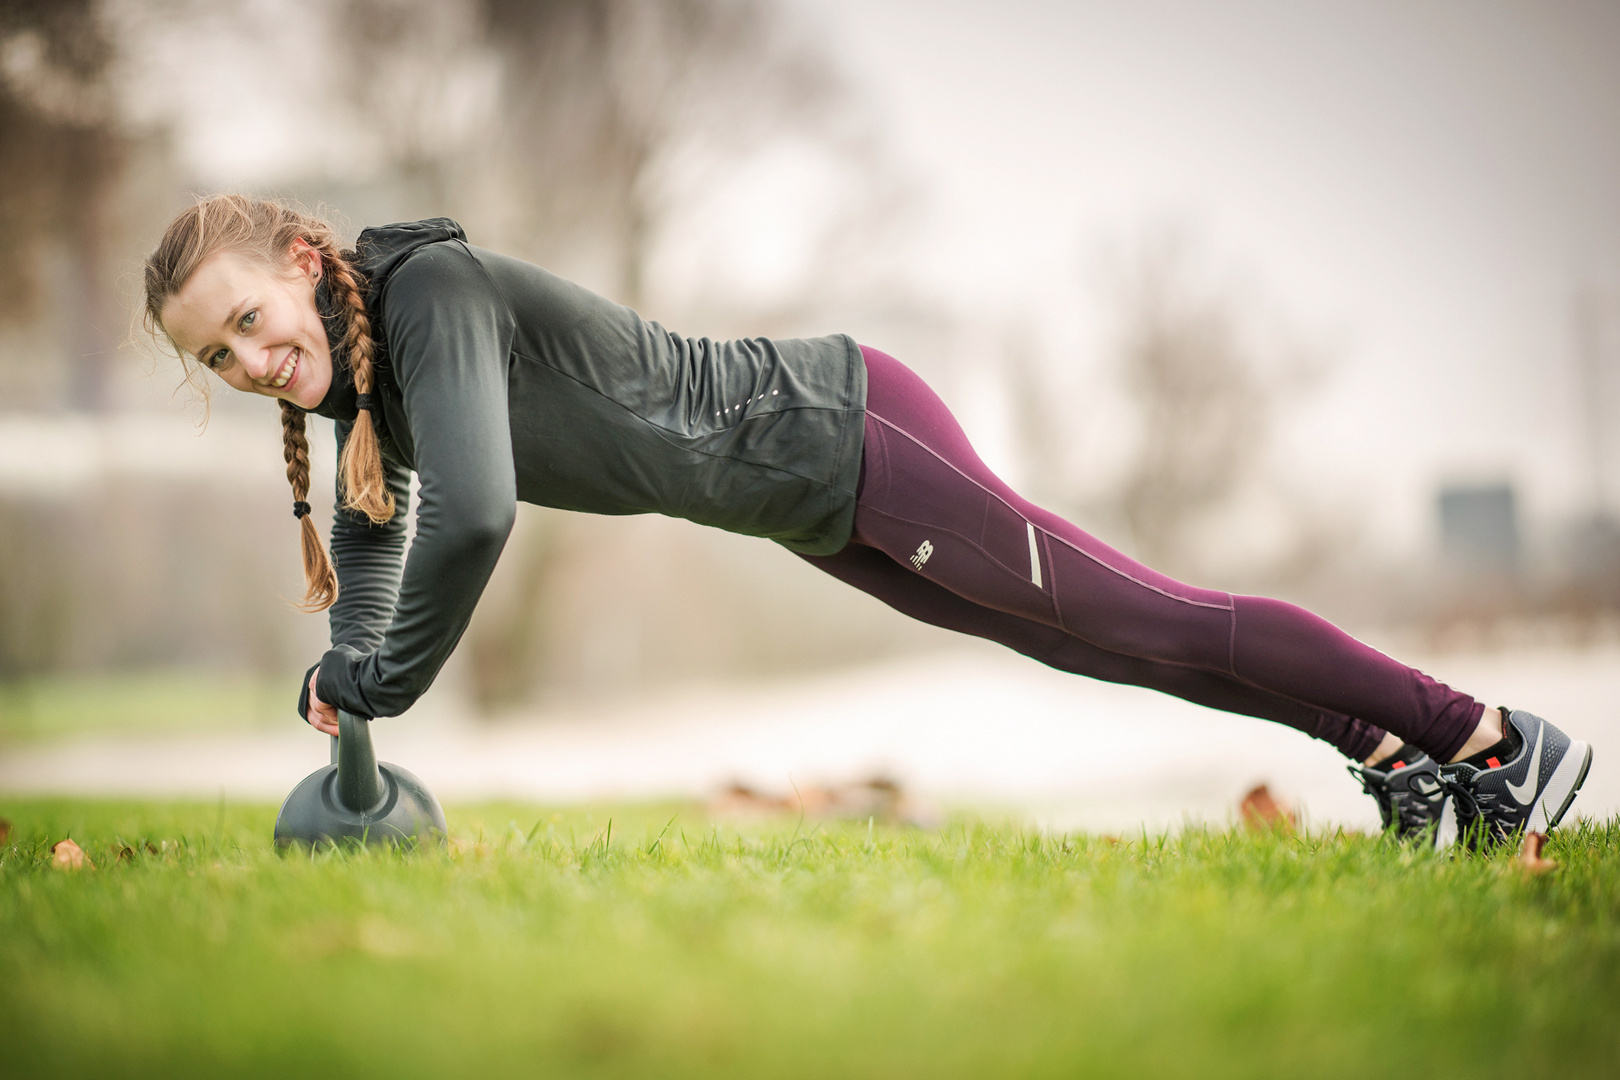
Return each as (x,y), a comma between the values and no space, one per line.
(286,371)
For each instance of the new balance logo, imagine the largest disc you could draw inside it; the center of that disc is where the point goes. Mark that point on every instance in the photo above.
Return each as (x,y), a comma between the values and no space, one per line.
(924,550)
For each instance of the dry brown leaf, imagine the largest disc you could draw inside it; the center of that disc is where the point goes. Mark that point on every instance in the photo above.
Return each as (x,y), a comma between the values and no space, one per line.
(5,831)
(1530,860)
(125,853)
(66,855)
(1264,811)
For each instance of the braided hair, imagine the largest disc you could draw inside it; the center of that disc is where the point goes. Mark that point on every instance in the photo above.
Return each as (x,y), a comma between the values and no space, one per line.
(265,230)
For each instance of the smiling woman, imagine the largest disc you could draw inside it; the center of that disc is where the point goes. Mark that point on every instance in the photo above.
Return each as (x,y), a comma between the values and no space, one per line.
(256,328)
(236,286)
(495,381)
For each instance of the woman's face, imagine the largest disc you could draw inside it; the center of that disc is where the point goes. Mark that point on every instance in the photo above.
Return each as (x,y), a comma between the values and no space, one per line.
(256,329)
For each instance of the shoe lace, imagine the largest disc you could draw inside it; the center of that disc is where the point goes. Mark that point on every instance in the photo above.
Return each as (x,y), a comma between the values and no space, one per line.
(1466,800)
(1475,821)
(1377,787)
(1413,809)
(1371,786)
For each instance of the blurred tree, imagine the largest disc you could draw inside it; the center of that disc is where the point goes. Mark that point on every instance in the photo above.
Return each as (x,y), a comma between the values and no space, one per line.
(1203,388)
(578,133)
(612,109)
(63,154)
(416,81)
(604,115)
(574,128)
(1200,399)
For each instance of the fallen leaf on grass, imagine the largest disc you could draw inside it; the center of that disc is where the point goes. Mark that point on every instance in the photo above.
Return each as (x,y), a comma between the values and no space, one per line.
(66,855)
(1263,811)
(1530,860)
(5,830)
(125,853)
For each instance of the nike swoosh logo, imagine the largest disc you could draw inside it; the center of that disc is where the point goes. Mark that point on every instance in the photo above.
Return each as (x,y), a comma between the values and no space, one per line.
(1526,792)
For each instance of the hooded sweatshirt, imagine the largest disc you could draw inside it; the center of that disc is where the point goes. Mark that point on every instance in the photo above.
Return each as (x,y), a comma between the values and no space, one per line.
(498,381)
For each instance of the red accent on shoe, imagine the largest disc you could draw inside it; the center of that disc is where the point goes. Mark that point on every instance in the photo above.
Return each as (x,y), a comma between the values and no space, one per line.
(1493,763)
(1397,765)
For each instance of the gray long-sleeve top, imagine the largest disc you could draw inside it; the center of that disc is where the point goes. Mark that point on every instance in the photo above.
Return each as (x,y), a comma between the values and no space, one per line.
(499,382)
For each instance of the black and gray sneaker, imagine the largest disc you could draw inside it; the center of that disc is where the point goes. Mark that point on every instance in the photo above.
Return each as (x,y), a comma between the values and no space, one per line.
(1407,787)
(1530,790)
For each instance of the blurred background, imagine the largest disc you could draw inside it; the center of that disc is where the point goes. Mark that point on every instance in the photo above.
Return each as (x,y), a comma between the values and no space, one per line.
(1314,300)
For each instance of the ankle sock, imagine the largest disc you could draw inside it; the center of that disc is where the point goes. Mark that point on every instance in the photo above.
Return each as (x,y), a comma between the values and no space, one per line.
(1500,752)
(1399,759)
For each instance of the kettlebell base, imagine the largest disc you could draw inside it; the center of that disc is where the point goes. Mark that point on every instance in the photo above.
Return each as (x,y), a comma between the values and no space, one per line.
(314,815)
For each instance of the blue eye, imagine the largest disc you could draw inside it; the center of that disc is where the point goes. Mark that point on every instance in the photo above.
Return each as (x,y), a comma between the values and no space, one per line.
(248,320)
(217,360)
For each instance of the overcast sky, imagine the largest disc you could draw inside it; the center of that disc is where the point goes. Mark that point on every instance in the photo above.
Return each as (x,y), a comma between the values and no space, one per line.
(1421,187)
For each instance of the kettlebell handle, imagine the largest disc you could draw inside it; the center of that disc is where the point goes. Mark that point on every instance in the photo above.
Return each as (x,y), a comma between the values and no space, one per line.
(360,786)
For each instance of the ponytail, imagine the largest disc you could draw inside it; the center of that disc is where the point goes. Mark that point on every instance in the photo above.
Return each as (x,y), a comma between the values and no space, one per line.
(360,472)
(320,580)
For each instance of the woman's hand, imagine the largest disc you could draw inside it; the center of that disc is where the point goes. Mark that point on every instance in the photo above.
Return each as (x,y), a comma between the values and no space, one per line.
(321,716)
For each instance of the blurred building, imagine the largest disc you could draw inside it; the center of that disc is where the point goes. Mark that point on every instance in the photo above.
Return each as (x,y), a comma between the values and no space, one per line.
(1479,528)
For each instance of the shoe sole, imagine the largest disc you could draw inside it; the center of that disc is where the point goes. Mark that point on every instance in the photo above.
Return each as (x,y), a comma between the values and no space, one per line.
(1562,788)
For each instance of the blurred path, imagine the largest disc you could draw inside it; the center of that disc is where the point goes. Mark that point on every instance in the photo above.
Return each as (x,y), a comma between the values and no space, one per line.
(977,727)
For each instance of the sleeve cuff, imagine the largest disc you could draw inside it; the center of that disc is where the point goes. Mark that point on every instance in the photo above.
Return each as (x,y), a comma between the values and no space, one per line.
(339,679)
(303,693)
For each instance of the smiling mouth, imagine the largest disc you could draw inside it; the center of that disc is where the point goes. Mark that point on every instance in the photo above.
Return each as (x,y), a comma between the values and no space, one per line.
(288,367)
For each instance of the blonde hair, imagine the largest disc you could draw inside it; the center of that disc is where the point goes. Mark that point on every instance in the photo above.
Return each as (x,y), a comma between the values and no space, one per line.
(264,230)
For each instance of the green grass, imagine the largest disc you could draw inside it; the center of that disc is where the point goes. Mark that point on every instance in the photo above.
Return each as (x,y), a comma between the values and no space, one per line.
(51,706)
(539,945)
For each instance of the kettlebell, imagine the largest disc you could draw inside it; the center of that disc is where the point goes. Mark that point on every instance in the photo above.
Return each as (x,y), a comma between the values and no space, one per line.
(357,799)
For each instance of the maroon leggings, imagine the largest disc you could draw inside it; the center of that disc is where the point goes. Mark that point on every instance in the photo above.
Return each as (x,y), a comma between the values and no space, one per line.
(940,538)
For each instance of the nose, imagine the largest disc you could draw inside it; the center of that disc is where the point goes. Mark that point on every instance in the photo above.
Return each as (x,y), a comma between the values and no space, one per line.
(258,363)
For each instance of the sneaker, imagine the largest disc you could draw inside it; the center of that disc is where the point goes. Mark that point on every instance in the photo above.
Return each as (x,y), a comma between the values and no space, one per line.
(1411,796)
(1531,791)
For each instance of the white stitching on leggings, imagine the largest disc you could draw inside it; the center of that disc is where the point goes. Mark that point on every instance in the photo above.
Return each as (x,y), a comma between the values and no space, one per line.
(1228,606)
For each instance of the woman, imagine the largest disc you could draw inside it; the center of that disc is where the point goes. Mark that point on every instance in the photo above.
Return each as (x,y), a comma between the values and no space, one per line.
(496,381)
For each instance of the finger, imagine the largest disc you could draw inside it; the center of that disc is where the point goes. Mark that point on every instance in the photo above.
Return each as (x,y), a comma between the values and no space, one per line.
(326,717)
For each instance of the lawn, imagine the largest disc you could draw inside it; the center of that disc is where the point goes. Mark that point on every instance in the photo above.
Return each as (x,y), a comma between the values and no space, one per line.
(54,706)
(553,943)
